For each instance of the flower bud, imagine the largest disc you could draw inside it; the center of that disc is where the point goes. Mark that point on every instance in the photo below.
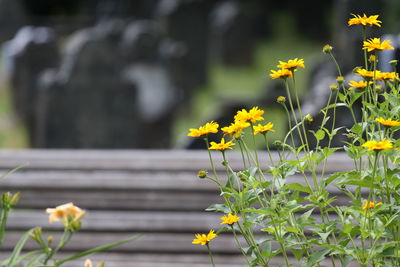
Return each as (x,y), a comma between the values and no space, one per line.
(281,99)
(340,80)
(50,239)
(309,118)
(224,163)
(327,49)
(202,174)
(333,87)
(277,144)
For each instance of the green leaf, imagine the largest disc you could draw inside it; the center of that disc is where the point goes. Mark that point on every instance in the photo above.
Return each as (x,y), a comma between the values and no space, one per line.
(316,257)
(18,247)
(319,135)
(298,187)
(98,249)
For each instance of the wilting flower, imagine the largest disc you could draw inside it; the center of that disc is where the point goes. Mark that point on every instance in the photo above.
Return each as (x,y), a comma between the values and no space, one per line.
(236,128)
(222,145)
(229,219)
(282,73)
(376,44)
(255,114)
(370,205)
(209,127)
(204,239)
(67,213)
(387,122)
(364,20)
(263,128)
(378,145)
(358,85)
(292,64)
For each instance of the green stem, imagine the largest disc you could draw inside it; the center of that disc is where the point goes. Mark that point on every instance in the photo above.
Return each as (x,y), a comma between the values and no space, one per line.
(210,254)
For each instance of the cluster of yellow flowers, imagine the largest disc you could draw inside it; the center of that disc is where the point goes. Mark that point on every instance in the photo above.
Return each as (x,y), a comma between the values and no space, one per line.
(242,120)
(67,213)
(204,239)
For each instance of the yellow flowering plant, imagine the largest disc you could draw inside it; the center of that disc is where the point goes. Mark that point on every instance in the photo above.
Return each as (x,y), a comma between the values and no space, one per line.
(69,215)
(302,222)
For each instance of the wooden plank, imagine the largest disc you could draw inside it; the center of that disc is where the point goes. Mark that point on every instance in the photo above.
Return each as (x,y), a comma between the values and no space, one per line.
(137,159)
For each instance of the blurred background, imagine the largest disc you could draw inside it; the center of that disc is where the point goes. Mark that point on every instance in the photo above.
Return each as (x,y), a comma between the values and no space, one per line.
(118,74)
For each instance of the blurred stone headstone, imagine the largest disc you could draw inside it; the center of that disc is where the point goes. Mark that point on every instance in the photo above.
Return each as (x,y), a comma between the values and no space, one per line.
(12,17)
(32,50)
(187,21)
(85,103)
(233,34)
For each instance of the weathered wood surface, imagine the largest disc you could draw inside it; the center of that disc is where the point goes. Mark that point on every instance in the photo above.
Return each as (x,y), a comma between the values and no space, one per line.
(127,192)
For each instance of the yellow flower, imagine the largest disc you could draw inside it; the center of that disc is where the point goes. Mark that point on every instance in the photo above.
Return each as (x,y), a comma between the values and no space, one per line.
(221,146)
(209,127)
(292,64)
(327,49)
(255,114)
(66,213)
(376,44)
(378,145)
(367,74)
(263,128)
(364,20)
(387,76)
(388,122)
(229,219)
(282,73)
(204,239)
(236,128)
(358,85)
(370,205)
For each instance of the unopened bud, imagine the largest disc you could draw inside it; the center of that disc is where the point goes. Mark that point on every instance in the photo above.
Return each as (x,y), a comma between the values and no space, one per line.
(281,99)
(333,87)
(327,49)
(373,58)
(50,240)
(202,174)
(340,80)
(309,118)
(101,264)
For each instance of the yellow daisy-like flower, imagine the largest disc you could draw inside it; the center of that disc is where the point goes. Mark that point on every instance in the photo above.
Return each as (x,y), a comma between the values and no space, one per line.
(386,76)
(376,44)
(204,239)
(378,145)
(229,219)
(358,85)
(370,205)
(388,122)
(263,128)
(366,73)
(364,20)
(253,115)
(66,213)
(222,145)
(236,128)
(292,64)
(209,127)
(282,73)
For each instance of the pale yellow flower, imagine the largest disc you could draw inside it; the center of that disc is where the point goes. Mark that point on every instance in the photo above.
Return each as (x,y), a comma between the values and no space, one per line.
(65,213)
(89,263)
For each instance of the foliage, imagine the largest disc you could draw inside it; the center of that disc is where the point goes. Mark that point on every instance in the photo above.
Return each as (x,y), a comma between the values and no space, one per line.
(304,219)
